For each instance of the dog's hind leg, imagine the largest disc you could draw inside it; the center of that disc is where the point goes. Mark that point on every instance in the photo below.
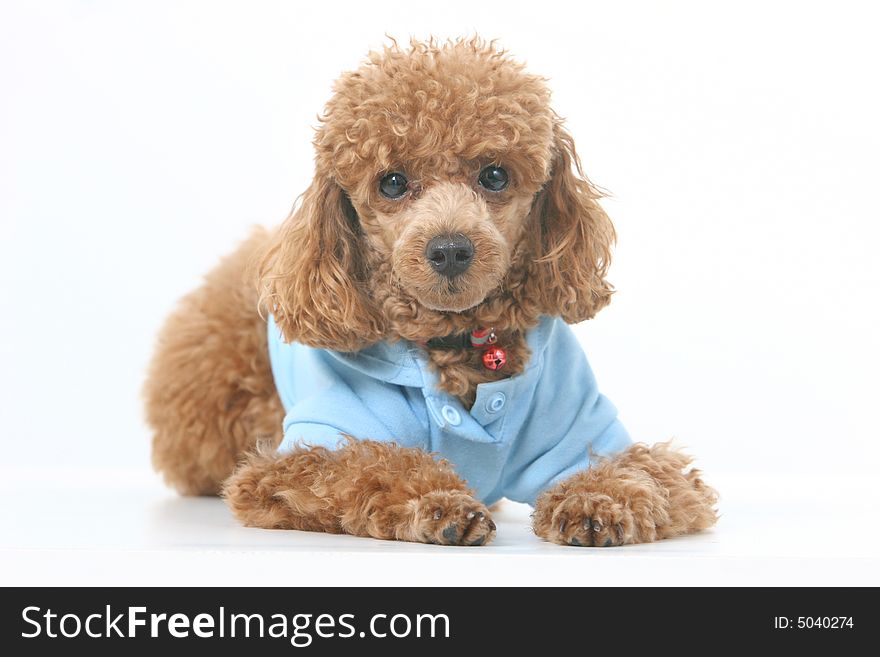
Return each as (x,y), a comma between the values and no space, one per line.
(642,495)
(209,393)
(365,488)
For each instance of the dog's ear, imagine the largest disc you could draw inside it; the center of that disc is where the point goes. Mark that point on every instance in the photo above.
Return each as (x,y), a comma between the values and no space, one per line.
(576,236)
(313,278)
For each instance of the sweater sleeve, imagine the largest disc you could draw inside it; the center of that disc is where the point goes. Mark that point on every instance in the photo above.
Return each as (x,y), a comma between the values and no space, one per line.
(324,400)
(570,422)
(331,410)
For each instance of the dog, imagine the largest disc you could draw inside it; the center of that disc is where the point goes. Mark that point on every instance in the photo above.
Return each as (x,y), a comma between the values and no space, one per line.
(397,356)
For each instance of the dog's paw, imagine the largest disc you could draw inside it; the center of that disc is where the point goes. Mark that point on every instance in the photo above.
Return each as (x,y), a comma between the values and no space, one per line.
(587,519)
(452,518)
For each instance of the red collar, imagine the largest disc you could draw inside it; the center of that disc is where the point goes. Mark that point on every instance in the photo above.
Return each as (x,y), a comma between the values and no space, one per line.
(494,358)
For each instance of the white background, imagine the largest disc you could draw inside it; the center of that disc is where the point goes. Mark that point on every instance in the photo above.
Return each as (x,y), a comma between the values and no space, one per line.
(140,141)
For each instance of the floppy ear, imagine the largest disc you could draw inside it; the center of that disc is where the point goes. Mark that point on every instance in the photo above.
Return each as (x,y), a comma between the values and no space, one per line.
(313,275)
(576,236)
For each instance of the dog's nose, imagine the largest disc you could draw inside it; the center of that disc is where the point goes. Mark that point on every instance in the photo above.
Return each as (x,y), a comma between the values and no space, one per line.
(450,255)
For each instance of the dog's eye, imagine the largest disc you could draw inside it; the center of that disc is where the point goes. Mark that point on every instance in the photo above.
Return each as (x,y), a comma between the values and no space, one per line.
(493,178)
(393,185)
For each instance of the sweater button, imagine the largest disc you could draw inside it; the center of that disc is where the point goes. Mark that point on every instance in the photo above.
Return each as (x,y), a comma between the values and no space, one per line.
(451,415)
(496,402)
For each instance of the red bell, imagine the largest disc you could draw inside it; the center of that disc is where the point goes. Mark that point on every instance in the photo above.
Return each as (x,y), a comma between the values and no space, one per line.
(494,358)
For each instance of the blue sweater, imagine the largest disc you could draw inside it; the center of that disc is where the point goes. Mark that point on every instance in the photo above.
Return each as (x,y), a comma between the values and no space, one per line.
(522,435)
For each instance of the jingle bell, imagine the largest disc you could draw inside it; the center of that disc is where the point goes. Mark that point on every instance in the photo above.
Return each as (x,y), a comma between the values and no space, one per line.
(494,358)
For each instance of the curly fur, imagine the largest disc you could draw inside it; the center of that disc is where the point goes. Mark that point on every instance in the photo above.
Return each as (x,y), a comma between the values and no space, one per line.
(347,268)
(642,495)
(364,488)
(209,391)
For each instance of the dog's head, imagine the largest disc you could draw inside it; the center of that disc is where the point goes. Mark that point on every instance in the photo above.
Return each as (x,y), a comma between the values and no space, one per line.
(446,191)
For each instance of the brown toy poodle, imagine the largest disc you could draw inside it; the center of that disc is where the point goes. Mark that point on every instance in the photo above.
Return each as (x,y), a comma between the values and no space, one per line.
(396,355)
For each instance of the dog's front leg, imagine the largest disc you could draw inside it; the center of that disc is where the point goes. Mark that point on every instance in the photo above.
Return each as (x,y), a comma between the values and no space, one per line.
(642,495)
(364,488)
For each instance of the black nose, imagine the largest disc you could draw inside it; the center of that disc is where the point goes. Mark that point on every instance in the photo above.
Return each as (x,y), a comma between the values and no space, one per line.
(450,255)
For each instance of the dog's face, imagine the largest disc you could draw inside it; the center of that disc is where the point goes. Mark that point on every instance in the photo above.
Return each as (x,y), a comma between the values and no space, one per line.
(448,241)
(443,183)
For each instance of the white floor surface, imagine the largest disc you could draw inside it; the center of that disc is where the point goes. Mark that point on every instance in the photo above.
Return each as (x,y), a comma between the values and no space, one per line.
(124,528)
